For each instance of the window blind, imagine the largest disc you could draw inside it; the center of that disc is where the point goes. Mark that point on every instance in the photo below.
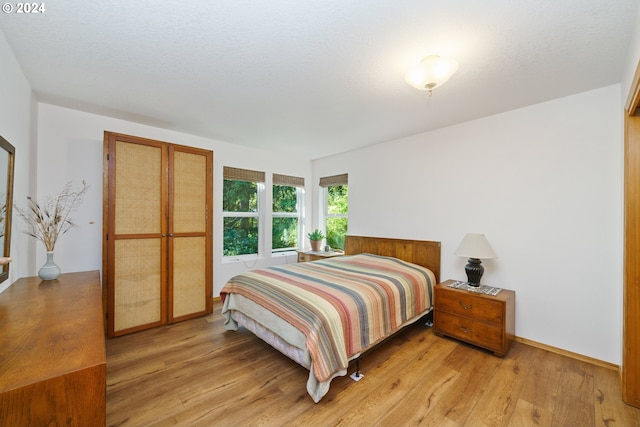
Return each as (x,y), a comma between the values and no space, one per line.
(292,181)
(329,181)
(243,174)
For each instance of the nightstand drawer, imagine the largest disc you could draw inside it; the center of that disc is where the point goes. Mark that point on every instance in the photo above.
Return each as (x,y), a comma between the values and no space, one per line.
(469,305)
(315,256)
(478,333)
(302,257)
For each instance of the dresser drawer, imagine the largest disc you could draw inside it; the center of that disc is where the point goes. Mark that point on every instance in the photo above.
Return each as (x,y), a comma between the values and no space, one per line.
(469,305)
(475,332)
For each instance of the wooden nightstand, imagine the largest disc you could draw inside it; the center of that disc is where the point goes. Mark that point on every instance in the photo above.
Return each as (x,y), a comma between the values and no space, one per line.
(304,256)
(482,320)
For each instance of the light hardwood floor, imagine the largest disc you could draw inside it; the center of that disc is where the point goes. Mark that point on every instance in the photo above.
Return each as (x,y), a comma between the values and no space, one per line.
(196,374)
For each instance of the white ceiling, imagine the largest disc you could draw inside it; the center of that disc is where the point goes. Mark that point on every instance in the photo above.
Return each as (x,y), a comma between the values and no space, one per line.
(314,77)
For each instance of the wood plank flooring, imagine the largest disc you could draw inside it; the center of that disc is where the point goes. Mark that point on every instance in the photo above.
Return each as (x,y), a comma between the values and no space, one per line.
(195,373)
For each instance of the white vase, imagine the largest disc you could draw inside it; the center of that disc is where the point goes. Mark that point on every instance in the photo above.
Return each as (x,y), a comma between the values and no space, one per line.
(49,271)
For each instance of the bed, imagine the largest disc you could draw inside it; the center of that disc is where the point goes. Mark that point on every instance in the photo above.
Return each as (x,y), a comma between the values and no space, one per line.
(324,314)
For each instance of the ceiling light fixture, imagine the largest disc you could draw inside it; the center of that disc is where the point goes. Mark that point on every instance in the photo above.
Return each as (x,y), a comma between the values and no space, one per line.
(432,72)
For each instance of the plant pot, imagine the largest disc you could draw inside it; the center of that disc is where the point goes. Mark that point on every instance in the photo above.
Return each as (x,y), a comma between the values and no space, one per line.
(316,245)
(49,271)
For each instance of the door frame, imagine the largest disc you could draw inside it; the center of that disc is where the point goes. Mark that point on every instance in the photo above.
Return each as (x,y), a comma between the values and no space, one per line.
(630,369)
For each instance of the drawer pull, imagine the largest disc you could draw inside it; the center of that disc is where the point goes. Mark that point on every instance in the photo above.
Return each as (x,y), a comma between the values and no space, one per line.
(465,330)
(466,307)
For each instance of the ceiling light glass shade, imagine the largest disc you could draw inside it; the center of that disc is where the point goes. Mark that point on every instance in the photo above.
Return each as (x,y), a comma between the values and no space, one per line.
(475,246)
(433,71)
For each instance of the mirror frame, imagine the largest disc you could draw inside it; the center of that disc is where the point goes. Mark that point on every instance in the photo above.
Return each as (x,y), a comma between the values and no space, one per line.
(10,149)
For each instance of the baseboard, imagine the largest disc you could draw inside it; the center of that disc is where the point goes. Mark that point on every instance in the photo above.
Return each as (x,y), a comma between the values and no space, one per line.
(570,354)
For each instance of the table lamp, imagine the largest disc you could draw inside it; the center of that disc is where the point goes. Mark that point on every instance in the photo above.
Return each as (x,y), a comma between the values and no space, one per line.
(475,247)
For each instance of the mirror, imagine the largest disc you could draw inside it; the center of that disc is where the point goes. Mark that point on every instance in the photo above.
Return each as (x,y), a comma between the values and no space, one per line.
(7,152)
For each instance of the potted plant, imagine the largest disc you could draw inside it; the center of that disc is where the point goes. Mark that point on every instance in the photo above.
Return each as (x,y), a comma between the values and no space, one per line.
(49,220)
(315,237)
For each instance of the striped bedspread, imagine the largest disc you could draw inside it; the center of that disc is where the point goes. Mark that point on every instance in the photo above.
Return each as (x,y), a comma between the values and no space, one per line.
(342,305)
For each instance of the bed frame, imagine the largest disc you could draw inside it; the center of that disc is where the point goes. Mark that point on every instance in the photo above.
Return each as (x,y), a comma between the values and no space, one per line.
(422,252)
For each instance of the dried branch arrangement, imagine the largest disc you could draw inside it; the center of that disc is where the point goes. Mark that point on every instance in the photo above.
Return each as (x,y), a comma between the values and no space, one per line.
(3,214)
(49,220)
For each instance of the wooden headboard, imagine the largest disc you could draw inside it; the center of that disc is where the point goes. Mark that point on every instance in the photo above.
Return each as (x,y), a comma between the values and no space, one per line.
(422,252)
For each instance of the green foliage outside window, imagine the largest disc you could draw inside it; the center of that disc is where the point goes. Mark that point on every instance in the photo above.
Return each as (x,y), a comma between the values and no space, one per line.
(285,233)
(240,236)
(337,210)
(285,217)
(240,196)
(285,198)
(240,232)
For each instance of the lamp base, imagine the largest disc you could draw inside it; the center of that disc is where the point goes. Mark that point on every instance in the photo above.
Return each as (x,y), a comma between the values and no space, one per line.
(474,270)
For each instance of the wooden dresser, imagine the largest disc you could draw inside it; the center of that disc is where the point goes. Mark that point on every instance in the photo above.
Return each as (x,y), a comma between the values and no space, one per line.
(52,352)
(482,320)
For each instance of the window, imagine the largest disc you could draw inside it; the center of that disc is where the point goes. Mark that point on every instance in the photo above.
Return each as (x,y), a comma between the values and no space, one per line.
(336,207)
(286,212)
(241,211)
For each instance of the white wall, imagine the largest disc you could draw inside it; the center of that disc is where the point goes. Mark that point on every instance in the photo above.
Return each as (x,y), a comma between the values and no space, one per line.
(70,145)
(633,57)
(543,183)
(17,125)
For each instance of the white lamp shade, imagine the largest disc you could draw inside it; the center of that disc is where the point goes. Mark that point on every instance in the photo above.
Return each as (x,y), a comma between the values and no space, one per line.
(475,246)
(433,71)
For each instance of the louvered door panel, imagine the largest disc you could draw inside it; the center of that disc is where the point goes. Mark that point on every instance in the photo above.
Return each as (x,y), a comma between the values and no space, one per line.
(190,193)
(189,288)
(138,277)
(138,284)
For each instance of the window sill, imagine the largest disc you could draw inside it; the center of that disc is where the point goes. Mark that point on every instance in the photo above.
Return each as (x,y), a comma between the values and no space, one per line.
(292,252)
(239,258)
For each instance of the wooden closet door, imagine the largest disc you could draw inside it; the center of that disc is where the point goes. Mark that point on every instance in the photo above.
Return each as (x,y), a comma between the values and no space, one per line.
(190,231)
(136,270)
(157,251)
